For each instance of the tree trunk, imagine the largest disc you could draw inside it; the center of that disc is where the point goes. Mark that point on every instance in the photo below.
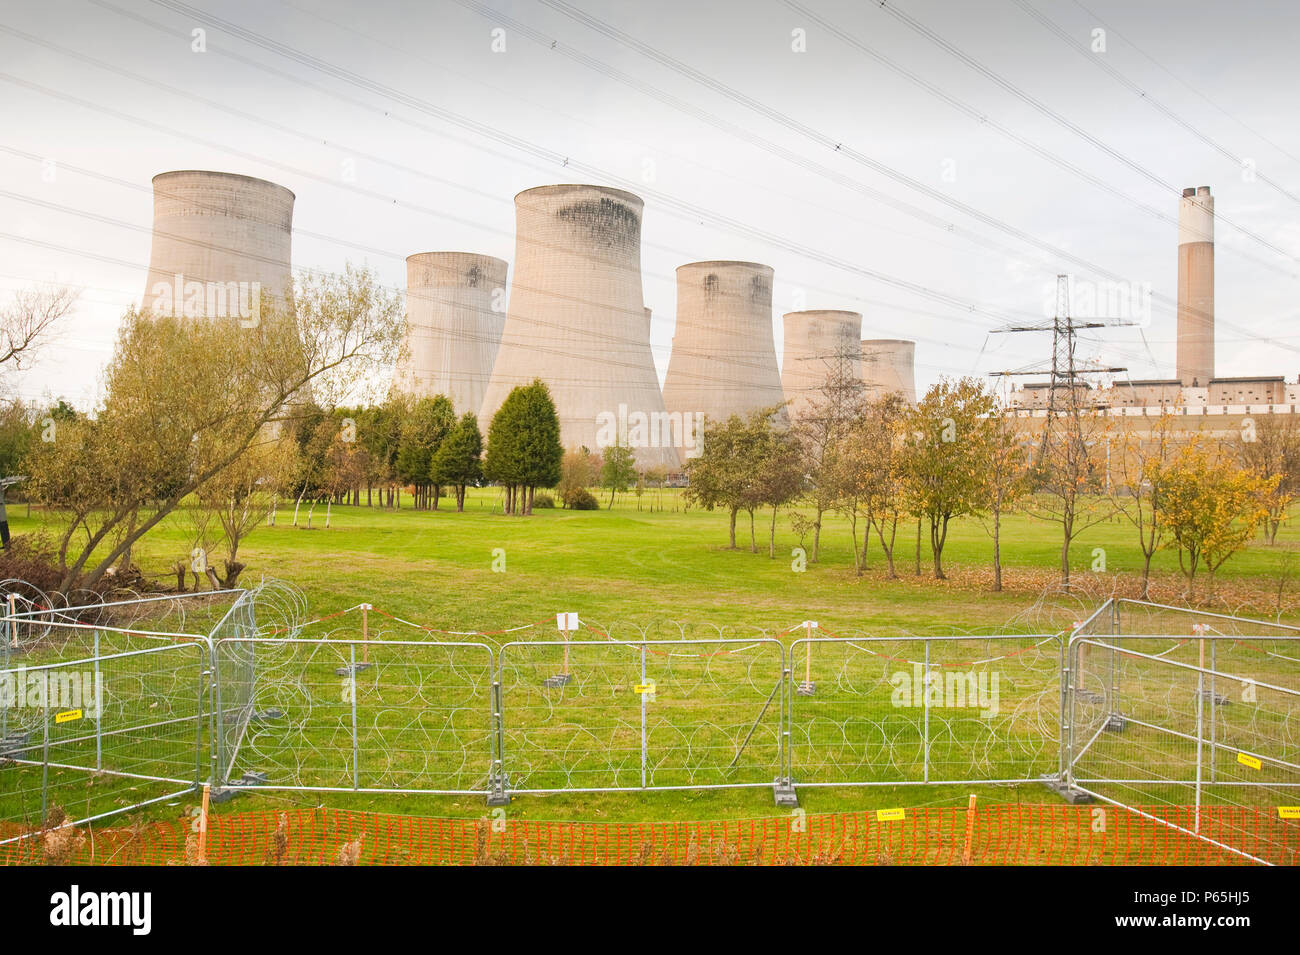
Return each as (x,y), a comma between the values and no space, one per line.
(753,541)
(771,536)
(734,511)
(817,536)
(918,545)
(1146,575)
(997,550)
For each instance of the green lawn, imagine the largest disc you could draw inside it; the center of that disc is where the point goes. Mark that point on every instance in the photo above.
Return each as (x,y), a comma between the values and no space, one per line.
(668,570)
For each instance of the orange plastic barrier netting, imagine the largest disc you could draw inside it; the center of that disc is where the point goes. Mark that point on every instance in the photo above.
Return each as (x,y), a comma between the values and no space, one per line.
(999,835)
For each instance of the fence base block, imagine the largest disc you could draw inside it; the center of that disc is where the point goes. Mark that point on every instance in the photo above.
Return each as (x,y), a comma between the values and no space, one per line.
(1070,794)
(498,794)
(783,790)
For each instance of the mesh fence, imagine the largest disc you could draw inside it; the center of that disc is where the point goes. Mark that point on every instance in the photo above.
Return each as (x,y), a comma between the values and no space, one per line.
(1208,721)
(882,711)
(1027,834)
(608,715)
(357,715)
(100,734)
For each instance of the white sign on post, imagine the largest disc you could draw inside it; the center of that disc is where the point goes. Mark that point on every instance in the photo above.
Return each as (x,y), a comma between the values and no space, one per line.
(566,622)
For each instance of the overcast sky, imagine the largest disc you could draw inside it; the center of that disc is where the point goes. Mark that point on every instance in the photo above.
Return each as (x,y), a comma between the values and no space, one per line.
(401,129)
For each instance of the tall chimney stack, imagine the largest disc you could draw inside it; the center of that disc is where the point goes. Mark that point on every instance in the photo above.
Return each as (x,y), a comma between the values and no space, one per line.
(1196,287)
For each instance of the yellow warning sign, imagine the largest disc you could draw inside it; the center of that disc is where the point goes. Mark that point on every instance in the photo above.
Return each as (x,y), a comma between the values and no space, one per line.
(67,716)
(890,815)
(1250,761)
(1288,812)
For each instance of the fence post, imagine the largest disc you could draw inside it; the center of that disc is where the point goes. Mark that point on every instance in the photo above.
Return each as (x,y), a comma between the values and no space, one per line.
(642,695)
(1200,731)
(970,830)
(925,731)
(203,826)
(498,794)
(1214,712)
(99,712)
(45,755)
(352,675)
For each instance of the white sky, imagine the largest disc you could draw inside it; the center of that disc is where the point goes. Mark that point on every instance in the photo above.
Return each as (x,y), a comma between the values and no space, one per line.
(424,183)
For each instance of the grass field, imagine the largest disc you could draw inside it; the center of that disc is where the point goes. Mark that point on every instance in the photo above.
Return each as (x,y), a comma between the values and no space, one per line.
(634,568)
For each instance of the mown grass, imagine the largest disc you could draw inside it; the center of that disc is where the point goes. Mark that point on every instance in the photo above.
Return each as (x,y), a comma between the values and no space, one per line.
(648,561)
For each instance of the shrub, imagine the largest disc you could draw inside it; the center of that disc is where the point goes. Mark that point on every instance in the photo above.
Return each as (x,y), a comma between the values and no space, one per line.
(581,500)
(543,500)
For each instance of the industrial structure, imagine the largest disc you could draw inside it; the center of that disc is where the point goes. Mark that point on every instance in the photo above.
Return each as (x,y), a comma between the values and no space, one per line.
(221,244)
(1195,357)
(455,311)
(723,359)
(821,359)
(889,367)
(1208,403)
(577,321)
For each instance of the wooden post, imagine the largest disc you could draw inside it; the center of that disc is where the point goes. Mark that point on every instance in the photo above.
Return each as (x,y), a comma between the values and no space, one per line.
(203,825)
(566,647)
(807,660)
(970,830)
(365,633)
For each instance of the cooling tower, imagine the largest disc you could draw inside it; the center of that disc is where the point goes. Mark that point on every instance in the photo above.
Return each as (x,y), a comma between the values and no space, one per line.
(578,322)
(219,239)
(821,347)
(452,326)
(889,365)
(1196,287)
(723,359)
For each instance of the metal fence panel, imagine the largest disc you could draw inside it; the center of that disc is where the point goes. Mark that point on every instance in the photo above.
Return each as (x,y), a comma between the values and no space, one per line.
(588,715)
(1149,729)
(380,716)
(905,710)
(101,734)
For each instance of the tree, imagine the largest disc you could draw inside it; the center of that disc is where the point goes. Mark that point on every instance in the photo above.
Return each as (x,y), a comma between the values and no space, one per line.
(186,398)
(779,474)
(1271,447)
(724,473)
(16,435)
(26,322)
(942,466)
(239,499)
(1211,507)
(1142,458)
(579,469)
(825,418)
(458,459)
(883,431)
(524,451)
(1005,461)
(617,470)
(1069,479)
(425,427)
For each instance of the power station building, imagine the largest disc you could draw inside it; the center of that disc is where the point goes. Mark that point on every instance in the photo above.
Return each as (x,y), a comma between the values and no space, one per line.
(455,313)
(221,244)
(577,321)
(723,360)
(821,346)
(889,367)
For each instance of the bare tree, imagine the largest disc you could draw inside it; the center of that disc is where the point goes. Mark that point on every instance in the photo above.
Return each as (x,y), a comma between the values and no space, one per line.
(25,323)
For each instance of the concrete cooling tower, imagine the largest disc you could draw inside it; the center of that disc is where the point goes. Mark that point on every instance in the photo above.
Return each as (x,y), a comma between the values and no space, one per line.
(455,311)
(578,322)
(889,365)
(1195,359)
(723,359)
(220,244)
(820,346)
